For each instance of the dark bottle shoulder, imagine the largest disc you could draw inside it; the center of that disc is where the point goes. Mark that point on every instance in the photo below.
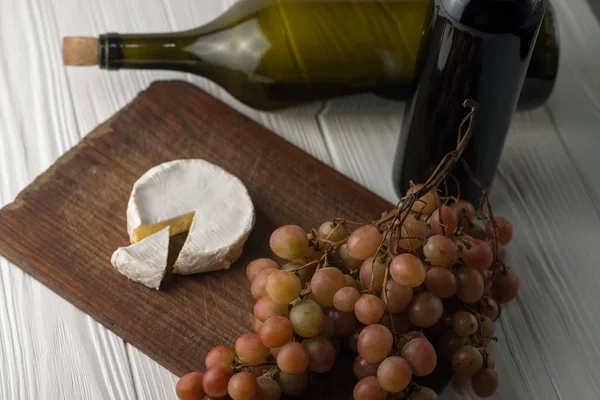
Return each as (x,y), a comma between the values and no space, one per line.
(496,16)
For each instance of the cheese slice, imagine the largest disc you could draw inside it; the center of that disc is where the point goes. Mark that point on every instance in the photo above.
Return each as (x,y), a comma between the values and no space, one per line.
(198,196)
(145,261)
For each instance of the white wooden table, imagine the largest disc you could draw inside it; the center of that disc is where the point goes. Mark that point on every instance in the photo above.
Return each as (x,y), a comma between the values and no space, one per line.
(548,184)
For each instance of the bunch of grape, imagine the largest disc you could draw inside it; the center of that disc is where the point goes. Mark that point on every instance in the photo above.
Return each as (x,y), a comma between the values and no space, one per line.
(424,281)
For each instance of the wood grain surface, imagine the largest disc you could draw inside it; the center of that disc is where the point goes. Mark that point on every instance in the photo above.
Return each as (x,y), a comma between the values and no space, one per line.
(63,228)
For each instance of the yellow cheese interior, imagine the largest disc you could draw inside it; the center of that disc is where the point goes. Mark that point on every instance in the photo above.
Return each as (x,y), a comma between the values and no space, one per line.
(178,225)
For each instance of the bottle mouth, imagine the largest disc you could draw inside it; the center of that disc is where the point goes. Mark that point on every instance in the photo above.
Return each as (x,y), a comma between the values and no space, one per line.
(110,51)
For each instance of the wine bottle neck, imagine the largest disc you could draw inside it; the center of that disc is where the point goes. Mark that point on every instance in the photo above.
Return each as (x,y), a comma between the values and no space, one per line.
(146,51)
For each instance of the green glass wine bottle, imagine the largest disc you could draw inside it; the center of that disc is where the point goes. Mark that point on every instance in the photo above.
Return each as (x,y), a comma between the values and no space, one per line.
(271,54)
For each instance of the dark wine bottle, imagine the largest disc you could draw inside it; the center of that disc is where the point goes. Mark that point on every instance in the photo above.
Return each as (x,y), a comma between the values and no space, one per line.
(476,50)
(271,54)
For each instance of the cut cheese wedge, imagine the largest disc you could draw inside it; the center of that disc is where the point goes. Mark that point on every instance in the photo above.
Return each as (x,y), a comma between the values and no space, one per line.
(145,261)
(198,196)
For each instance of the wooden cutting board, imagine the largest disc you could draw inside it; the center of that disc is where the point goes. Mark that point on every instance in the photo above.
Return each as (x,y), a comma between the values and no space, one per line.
(63,228)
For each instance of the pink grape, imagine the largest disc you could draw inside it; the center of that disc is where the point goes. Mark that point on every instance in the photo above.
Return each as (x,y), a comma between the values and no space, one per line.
(242,386)
(345,299)
(189,387)
(426,203)
(293,358)
(467,360)
(407,270)
(215,381)
(375,343)
(289,242)
(250,349)
(254,267)
(504,230)
(475,253)
(424,393)
(321,354)
(220,355)
(486,331)
(364,242)
(464,323)
(485,382)
(369,309)
(325,283)
(283,287)
(440,251)
(307,318)
(351,263)
(398,297)
(466,212)
(258,287)
(276,331)
(414,231)
(407,337)
(421,356)
(425,309)
(501,250)
(449,218)
(487,306)
(394,374)
(344,322)
(366,272)
(470,284)
(441,282)
(265,307)
(369,389)
(363,369)
(505,286)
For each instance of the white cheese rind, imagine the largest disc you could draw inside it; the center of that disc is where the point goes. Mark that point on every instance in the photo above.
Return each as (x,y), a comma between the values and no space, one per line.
(145,261)
(223,213)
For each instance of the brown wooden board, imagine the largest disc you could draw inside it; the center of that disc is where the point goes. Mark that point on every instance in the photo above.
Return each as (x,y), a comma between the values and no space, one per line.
(63,228)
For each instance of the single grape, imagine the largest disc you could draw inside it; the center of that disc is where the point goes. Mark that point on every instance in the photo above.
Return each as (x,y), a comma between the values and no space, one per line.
(505,286)
(343,322)
(250,349)
(283,287)
(470,285)
(307,318)
(189,387)
(504,230)
(475,253)
(242,386)
(289,242)
(394,374)
(448,342)
(265,307)
(328,330)
(486,332)
(485,382)
(369,389)
(305,274)
(350,281)
(256,325)
(215,381)
(325,283)
(331,231)
(424,393)
(364,242)
(363,369)
(400,322)
(353,338)
(440,251)
(441,282)
(292,385)
(369,266)
(420,355)
(267,389)
(407,337)
(351,263)
(254,267)
(375,343)
(414,231)
(276,331)
(407,270)
(467,360)
(258,287)
(464,323)
(321,354)
(369,309)
(220,355)
(425,309)
(398,297)
(427,203)
(446,225)
(487,306)
(293,358)
(345,299)
(466,212)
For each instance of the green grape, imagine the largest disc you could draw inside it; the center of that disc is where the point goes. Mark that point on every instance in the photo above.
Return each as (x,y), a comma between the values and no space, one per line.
(426,204)
(350,281)
(283,287)
(414,231)
(351,263)
(331,231)
(307,318)
(464,323)
(305,274)
(289,242)
(267,389)
(424,394)
(292,384)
